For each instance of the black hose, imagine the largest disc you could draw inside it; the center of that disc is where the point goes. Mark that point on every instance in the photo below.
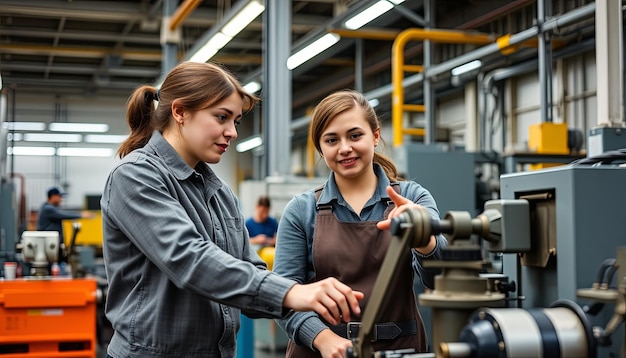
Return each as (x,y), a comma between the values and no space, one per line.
(604,158)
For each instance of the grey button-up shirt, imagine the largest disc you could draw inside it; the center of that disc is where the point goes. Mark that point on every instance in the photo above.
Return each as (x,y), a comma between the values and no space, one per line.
(178,259)
(294,248)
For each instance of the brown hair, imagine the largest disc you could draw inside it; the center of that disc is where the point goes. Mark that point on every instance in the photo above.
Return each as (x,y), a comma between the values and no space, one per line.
(263,201)
(337,103)
(197,85)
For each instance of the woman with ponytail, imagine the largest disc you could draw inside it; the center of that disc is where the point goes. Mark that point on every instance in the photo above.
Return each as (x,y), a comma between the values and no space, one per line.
(178,259)
(339,230)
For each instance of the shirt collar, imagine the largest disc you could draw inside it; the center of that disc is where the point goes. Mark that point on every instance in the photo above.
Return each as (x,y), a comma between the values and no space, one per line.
(175,162)
(331,191)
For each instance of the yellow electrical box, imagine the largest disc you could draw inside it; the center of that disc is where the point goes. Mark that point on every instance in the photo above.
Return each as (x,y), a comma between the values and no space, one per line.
(547,138)
(90,230)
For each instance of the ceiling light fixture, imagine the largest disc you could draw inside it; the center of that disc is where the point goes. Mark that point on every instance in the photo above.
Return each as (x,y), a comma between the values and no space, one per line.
(238,19)
(84,152)
(252,87)
(249,144)
(243,18)
(52,137)
(359,20)
(468,67)
(105,138)
(24,126)
(14,137)
(78,127)
(313,49)
(374,102)
(41,151)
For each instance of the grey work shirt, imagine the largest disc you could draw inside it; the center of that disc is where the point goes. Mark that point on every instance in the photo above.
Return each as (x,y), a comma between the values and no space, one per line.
(294,248)
(178,259)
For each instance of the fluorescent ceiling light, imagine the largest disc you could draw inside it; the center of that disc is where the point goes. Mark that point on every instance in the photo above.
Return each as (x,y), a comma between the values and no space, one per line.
(238,22)
(470,66)
(85,152)
(374,102)
(243,18)
(312,50)
(252,87)
(24,126)
(52,137)
(369,14)
(15,137)
(43,151)
(105,138)
(210,48)
(249,144)
(78,127)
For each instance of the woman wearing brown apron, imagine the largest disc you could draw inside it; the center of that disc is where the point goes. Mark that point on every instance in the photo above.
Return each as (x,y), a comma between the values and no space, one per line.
(339,230)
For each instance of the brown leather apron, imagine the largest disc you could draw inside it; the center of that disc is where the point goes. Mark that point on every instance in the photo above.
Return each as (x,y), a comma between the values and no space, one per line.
(353,252)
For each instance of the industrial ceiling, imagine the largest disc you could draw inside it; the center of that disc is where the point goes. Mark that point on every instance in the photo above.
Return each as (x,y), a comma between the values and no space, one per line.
(110,47)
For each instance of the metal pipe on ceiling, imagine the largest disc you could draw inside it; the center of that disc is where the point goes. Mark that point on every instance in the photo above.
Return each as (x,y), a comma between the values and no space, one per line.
(515,39)
(551,24)
(398,68)
(381,65)
(181,13)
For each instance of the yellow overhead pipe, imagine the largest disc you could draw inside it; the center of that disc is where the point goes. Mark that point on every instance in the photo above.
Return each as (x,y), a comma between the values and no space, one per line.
(145,55)
(79,52)
(182,12)
(310,151)
(380,34)
(398,68)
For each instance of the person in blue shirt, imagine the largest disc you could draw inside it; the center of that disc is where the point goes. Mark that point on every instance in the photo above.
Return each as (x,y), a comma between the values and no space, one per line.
(50,217)
(177,254)
(261,226)
(340,229)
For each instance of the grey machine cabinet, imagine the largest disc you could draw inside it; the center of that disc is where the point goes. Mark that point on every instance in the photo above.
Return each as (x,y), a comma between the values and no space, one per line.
(583,209)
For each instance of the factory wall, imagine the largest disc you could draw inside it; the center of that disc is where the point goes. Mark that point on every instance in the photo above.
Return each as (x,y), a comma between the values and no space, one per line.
(79,176)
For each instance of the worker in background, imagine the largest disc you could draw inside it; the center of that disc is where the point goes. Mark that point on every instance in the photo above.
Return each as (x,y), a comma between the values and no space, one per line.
(50,217)
(261,226)
(176,250)
(340,229)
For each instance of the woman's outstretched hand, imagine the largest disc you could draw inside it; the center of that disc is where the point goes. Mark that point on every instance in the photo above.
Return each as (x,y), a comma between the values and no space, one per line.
(402,204)
(331,299)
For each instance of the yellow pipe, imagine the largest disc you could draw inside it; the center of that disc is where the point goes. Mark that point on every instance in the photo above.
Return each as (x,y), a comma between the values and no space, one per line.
(398,67)
(414,131)
(413,68)
(414,107)
(125,54)
(385,35)
(79,52)
(182,12)
(310,158)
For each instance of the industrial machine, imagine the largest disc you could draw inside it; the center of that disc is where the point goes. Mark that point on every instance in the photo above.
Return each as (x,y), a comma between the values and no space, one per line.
(44,315)
(554,228)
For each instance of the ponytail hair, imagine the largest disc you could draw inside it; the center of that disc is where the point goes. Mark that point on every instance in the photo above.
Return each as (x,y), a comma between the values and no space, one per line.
(139,111)
(390,169)
(195,85)
(337,103)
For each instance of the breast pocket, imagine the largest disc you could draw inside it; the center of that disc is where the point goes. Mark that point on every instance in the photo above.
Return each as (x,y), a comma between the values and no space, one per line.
(234,224)
(234,236)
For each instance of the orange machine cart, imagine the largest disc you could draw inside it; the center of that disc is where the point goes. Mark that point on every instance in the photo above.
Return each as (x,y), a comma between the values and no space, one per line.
(48,317)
